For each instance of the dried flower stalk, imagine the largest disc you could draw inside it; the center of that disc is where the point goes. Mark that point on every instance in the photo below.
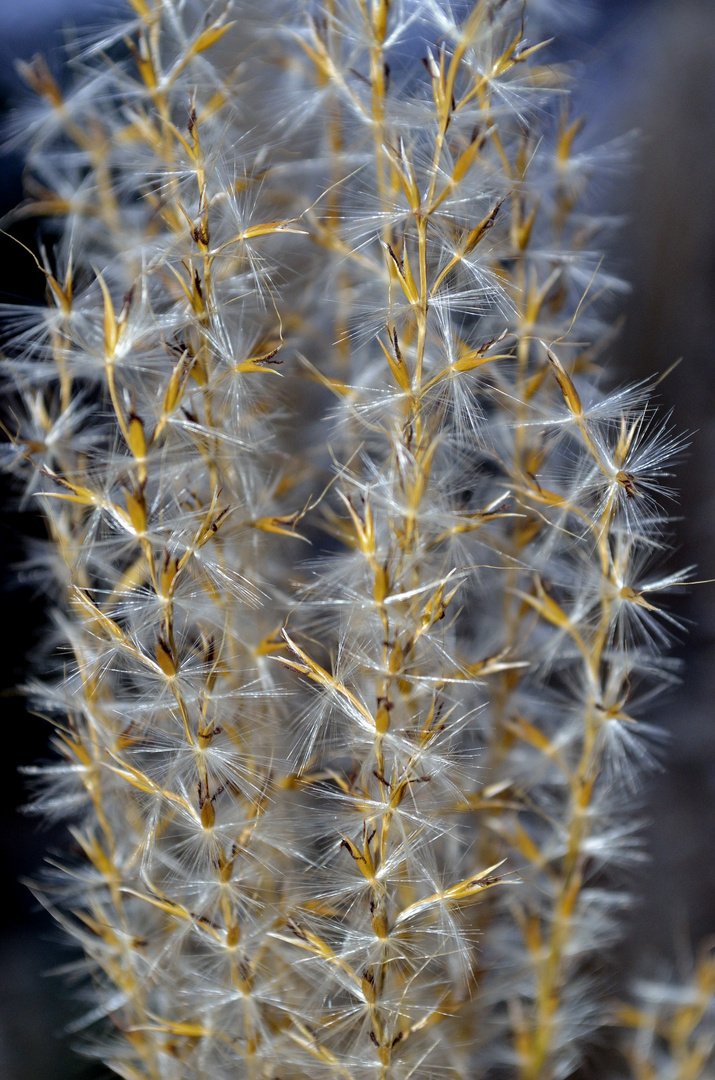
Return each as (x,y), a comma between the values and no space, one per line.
(357,817)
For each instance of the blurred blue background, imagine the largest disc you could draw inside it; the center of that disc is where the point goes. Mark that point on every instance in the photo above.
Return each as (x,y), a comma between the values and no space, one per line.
(645,66)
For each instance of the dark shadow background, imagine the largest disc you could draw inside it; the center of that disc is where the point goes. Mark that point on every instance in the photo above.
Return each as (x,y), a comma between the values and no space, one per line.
(34,1007)
(660,77)
(646,65)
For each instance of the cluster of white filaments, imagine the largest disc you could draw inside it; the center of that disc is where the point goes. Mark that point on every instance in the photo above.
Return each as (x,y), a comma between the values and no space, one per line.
(324,272)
